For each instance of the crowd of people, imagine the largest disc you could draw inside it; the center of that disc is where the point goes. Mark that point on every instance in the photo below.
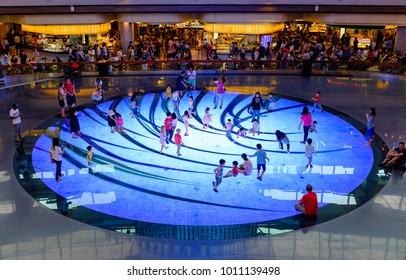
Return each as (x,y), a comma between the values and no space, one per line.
(327,50)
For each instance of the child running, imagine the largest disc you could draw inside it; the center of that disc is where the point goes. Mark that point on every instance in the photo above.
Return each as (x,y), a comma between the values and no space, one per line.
(317,101)
(233,172)
(261,163)
(178,141)
(89,155)
(309,152)
(228,127)
(218,172)
(207,118)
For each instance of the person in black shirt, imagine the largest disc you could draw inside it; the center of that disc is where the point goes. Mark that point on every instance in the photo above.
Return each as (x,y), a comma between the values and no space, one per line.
(180,83)
(256,106)
(282,138)
(396,157)
(23,57)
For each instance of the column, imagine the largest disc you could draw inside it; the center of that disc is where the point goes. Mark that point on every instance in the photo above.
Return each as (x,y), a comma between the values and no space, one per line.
(136,30)
(400,41)
(126,33)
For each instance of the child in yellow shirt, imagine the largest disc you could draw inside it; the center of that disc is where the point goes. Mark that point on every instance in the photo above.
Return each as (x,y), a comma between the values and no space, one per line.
(89,155)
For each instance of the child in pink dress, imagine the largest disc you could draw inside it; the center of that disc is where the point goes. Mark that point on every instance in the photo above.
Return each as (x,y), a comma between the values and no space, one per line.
(207,118)
(119,122)
(186,117)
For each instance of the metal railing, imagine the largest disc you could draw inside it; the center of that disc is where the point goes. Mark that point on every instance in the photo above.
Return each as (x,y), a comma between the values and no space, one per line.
(109,67)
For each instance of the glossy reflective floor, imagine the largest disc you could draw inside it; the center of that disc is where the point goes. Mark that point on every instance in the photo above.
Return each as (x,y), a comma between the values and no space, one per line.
(373,231)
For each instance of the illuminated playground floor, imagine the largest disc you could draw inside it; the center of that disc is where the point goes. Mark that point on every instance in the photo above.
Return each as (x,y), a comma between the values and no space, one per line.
(130,179)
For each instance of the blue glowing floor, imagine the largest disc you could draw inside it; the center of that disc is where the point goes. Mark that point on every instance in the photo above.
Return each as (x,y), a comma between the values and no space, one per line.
(131,179)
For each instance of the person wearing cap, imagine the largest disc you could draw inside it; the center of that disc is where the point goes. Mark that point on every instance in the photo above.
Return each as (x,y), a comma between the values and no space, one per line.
(308,204)
(15,117)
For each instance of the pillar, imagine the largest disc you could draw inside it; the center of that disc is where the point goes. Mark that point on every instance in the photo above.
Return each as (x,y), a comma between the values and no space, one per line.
(126,33)
(400,41)
(136,30)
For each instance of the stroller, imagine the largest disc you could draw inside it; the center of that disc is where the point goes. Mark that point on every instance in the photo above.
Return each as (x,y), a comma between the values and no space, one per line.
(75,70)
(72,70)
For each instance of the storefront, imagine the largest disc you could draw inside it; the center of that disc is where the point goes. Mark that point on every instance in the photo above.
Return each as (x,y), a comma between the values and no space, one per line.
(222,36)
(58,38)
(367,36)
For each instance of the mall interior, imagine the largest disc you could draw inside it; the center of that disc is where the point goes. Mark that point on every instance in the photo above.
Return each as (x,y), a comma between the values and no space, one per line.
(372,224)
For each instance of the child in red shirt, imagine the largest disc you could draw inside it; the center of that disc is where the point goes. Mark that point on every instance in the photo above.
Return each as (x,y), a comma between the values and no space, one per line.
(178,141)
(317,101)
(233,172)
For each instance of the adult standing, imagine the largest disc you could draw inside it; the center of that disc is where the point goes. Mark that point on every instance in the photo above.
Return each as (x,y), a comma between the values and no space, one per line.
(369,135)
(35,54)
(246,167)
(257,105)
(180,83)
(308,204)
(15,117)
(5,45)
(209,50)
(74,122)
(92,55)
(306,120)
(56,152)
(219,94)
(62,100)
(70,92)
(111,119)
(23,57)
(191,73)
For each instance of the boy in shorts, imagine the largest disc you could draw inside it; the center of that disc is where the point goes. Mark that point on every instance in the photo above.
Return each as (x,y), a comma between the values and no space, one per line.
(261,157)
(178,141)
(218,172)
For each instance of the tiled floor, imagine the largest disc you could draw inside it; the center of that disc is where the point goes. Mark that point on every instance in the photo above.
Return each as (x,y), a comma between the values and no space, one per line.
(373,231)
